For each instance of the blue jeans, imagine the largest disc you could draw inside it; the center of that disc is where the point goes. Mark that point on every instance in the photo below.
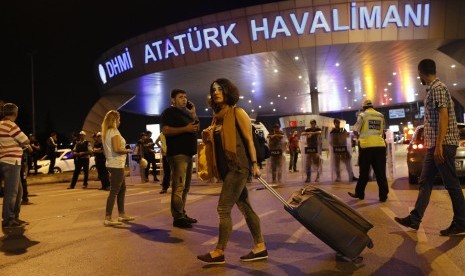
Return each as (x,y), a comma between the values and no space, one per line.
(234,191)
(13,191)
(450,180)
(181,169)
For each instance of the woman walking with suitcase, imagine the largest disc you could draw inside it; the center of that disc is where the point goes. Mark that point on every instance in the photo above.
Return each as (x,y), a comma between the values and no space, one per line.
(230,135)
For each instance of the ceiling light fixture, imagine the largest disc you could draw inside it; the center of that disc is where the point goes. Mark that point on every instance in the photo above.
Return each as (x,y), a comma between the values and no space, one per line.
(300,77)
(296,58)
(452,66)
(337,64)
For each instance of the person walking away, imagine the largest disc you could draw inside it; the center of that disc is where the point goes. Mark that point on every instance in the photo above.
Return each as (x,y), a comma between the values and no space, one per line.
(100,161)
(140,152)
(370,130)
(82,151)
(35,145)
(441,140)
(115,154)
(27,153)
(149,153)
(294,150)
(161,143)
(12,139)
(233,149)
(51,152)
(179,124)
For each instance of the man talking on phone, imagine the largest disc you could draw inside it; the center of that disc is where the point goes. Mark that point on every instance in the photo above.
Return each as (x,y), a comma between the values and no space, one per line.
(179,124)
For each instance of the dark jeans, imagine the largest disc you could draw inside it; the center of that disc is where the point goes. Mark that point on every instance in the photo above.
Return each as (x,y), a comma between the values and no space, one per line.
(166,173)
(80,163)
(52,158)
(376,158)
(151,162)
(450,180)
(23,176)
(234,191)
(102,173)
(117,191)
(181,168)
(294,155)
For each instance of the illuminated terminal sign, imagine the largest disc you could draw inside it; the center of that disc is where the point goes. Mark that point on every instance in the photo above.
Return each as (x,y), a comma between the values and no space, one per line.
(196,39)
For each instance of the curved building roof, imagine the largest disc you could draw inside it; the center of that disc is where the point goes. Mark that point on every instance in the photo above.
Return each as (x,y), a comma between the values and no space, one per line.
(285,55)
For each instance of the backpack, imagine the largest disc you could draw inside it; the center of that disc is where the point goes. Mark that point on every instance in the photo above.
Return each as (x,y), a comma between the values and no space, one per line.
(261,149)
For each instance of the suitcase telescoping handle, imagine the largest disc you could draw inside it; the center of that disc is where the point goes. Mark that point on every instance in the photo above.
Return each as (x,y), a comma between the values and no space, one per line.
(275,193)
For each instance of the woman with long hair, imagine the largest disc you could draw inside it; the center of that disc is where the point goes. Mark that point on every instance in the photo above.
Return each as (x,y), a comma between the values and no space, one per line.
(234,158)
(115,153)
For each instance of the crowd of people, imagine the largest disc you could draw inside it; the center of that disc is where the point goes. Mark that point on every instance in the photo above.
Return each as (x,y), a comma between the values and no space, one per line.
(233,159)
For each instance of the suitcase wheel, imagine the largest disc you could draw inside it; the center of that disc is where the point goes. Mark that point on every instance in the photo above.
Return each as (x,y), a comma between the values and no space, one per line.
(356,260)
(370,244)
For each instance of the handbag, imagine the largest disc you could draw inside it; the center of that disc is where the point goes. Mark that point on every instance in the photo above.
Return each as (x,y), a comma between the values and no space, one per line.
(143,163)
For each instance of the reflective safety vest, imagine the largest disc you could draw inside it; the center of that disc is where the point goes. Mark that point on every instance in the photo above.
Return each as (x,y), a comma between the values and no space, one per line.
(371,133)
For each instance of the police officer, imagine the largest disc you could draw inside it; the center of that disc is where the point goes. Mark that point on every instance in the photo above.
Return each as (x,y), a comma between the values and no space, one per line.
(82,151)
(370,128)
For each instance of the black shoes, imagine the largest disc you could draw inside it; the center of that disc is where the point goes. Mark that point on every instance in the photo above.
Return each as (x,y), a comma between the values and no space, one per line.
(11,224)
(70,188)
(454,229)
(354,178)
(163,191)
(207,258)
(355,195)
(383,199)
(407,222)
(182,223)
(190,220)
(262,255)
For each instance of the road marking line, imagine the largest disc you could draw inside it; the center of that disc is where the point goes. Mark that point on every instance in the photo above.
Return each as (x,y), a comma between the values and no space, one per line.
(237,226)
(420,233)
(297,234)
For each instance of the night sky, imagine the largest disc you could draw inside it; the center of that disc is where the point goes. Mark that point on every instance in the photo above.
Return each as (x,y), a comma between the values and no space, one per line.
(64,38)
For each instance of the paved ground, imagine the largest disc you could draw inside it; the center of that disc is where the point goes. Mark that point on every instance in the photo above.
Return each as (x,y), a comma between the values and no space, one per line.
(67,237)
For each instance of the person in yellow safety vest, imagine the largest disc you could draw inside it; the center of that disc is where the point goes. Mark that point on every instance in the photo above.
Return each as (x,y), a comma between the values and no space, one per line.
(370,129)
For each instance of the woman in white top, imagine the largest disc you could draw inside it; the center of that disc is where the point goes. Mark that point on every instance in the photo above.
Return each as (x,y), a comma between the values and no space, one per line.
(115,153)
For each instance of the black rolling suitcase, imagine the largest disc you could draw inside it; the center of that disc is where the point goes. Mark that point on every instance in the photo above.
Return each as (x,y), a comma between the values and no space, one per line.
(329,219)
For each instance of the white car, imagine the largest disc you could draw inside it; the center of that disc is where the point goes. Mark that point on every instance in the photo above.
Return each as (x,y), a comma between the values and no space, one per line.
(64,162)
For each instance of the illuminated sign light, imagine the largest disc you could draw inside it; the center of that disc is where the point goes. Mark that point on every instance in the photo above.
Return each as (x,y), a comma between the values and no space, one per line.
(361,18)
(195,39)
(115,66)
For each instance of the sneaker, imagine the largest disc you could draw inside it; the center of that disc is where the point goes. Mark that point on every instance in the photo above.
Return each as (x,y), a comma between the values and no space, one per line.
(262,255)
(207,258)
(182,223)
(189,219)
(11,224)
(163,191)
(22,222)
(454,229)
(110,222)
(407,222)
(125,218)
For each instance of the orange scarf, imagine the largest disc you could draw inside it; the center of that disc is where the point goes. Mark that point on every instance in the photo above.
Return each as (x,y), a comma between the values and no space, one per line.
(226,117)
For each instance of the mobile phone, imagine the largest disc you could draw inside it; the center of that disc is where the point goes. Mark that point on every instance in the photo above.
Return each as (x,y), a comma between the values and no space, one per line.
(189,105)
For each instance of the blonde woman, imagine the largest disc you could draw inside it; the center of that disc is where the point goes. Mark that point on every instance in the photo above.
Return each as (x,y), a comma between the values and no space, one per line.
(115,153)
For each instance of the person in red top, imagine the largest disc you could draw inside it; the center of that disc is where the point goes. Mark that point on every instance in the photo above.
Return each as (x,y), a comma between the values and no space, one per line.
(12,139)
(294,150)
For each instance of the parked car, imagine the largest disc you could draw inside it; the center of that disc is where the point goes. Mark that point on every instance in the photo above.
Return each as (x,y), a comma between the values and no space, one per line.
(416,154)
(64,162)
